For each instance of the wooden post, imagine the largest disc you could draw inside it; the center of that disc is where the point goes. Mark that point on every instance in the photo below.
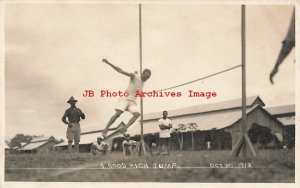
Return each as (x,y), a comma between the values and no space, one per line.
(141,67)
(141,146)
(244,140)
(243,39)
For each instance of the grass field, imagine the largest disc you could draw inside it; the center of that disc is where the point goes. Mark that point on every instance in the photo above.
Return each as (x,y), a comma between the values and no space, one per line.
(187,166)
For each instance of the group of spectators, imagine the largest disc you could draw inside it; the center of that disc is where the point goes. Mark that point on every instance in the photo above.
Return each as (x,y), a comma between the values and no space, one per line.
(100,147)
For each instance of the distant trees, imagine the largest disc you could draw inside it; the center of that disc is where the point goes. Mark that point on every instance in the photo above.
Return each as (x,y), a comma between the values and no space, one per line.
(181,128)
(192,127)
(260,134)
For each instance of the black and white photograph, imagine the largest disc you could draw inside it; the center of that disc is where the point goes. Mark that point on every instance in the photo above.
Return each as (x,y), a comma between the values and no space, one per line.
(167,92)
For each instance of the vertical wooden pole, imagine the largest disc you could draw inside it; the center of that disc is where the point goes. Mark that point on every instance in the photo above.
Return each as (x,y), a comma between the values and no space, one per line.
(142,145)
(244,120)
(141,67)
(244,141)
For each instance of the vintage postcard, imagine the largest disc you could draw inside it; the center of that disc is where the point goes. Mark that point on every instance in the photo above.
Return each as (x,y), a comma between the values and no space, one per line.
(169,92)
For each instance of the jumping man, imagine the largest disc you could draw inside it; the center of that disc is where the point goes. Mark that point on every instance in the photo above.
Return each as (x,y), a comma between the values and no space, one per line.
(136,83)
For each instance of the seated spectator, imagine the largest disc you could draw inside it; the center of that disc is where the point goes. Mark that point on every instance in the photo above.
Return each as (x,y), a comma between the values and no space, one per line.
(99,147)
(128,145)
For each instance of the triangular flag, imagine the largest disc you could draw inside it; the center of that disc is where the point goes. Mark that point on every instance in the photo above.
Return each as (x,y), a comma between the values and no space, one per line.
(287,46)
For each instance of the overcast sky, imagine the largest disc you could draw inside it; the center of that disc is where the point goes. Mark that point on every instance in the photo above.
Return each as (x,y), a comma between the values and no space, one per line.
(54,51)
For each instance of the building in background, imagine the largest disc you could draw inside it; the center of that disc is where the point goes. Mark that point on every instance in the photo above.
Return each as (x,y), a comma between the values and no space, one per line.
(217,119)
(218,123)
(7,148)
(18,149)
(286,115)
(40,145)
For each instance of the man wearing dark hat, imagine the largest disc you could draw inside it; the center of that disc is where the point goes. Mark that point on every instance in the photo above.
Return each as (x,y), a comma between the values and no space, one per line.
(73,132)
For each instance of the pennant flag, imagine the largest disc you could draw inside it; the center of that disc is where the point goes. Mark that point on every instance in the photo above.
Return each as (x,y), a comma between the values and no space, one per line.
(287,46)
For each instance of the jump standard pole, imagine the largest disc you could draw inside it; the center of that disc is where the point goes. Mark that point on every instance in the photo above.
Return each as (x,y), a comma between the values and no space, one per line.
(244,143)
(141,146)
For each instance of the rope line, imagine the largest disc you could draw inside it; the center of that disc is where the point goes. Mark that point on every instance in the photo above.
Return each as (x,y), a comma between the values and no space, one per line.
(200,78)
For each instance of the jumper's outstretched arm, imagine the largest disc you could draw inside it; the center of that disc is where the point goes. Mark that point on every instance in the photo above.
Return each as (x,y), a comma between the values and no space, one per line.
(118,69)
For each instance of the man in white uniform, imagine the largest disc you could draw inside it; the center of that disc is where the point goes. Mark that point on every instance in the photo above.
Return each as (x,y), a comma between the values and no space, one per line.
(99,147)
(208,145)
(165,125)
(128,103)
(128,145)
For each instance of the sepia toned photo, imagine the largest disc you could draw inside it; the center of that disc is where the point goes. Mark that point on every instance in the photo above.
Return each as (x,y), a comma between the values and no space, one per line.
(150,92)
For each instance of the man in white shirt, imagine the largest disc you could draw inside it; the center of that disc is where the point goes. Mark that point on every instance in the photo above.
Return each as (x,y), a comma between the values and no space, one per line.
(165,125)
(128,145)
(99,147)
(128,103)
(208,145)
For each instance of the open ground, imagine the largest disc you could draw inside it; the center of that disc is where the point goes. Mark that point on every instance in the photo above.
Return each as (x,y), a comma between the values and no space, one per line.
(181,166)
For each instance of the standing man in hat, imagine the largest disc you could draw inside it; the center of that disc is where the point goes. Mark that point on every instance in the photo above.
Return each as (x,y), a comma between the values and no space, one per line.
(128,103)
(73,132)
